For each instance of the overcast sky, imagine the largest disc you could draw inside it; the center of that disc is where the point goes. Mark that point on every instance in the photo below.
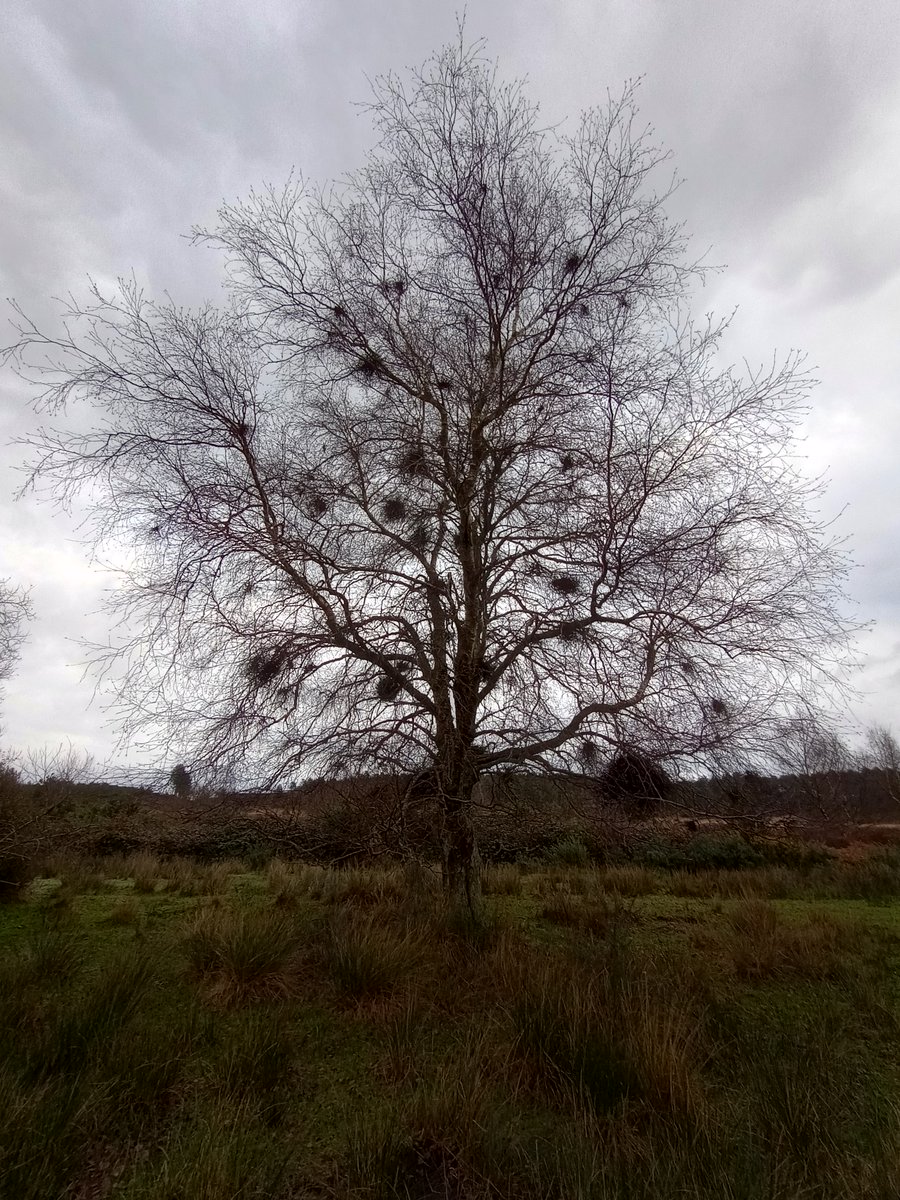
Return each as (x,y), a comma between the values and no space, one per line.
(123,123)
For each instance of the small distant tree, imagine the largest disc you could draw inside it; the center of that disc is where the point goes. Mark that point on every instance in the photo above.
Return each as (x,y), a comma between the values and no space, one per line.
(180,779)
(451,485)
(637,783)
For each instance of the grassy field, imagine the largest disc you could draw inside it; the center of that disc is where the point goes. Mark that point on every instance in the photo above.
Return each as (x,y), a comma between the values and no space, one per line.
(178,1032)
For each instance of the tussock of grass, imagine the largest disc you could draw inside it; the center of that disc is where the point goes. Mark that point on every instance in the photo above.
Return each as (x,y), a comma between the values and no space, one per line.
(420,880)
(76,873)
(358,886)
(443,1141)
(49,955)
(126,912)
(760,944)
(628,881)
(573,880)
(242,954)
(200,879)
(405,1043)
(214,879)
(366,958)
(596,916)
(472,935)
(282,878)
(223,1152)
(607,1037)
(254,1063)
(502,881)
(773,883)
(818,1105)
(40,1134)
(146,871)
(875,878)
(362,886)
(292,882)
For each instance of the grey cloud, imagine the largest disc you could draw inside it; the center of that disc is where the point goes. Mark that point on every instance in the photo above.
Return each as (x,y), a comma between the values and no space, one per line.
(122,123)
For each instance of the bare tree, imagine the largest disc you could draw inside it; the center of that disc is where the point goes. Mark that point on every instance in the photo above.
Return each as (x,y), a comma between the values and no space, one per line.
(883,748)
(452,484)
(15,612)
(65,765)
(883,755)
(809,747)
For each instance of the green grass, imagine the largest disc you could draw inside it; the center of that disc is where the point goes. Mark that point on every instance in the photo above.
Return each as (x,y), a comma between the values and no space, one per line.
(322,1033)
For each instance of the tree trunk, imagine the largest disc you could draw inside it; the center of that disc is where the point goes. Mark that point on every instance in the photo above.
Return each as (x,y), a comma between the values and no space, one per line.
(461,860)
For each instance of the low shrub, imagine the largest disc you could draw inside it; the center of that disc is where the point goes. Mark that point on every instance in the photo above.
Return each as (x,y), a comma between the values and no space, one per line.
(702,853)
(206,841)
(20,837)
(568,852)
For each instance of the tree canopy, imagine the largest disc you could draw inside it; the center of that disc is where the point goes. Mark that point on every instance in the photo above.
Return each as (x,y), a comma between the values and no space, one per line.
(451,483)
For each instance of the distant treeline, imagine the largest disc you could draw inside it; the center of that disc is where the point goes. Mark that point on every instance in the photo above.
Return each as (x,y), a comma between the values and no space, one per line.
(869,794)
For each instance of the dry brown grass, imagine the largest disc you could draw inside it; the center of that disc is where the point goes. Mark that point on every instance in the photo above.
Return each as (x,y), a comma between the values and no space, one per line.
(577,881)
(360,886)
(126,912)
(881,834)
(200,879)
(596,916)
(363,886)
(629,881)
(145,870)
(365,957)
(773,883)
(599,1033)
(504,880)
(239,955)
(761,944)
